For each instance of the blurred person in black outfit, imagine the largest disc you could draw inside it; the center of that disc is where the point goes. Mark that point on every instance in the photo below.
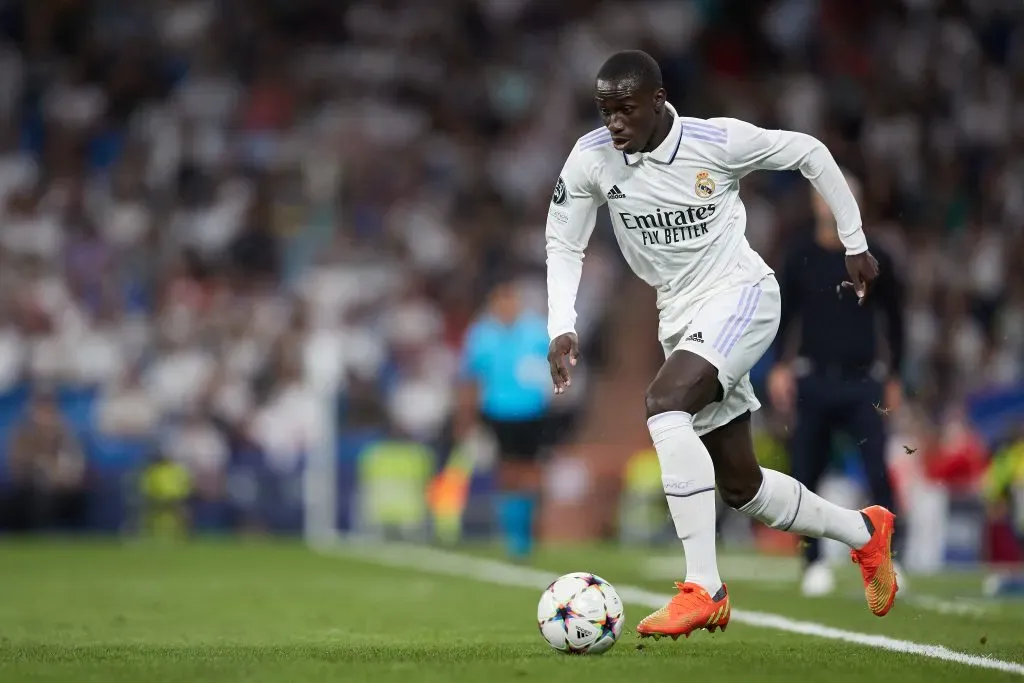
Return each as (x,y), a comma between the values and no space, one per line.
(254,251)
(838,382)
(48,472)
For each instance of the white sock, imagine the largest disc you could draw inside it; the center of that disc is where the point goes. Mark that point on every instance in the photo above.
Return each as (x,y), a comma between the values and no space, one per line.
(688,477)
(784,503)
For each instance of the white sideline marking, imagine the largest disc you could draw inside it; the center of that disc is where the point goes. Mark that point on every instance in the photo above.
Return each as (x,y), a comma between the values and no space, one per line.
(407,556)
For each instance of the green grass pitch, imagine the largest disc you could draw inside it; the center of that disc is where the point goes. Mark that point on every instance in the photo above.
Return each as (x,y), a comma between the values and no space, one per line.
(260,611)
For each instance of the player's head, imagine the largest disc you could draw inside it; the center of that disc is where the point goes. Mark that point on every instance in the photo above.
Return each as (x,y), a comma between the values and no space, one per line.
(503,301)
(631,98)
(824,221)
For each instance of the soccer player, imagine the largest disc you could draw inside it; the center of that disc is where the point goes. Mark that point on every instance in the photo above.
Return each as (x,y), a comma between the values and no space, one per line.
(505,386)
(671,183)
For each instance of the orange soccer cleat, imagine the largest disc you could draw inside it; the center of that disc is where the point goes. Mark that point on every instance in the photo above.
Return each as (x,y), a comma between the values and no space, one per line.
(875,560)
(690,610)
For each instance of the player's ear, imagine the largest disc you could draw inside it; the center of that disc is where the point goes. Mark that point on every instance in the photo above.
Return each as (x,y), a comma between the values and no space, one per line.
(659,100)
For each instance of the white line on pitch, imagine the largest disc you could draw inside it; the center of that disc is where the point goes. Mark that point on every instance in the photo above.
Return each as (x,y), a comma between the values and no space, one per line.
(407,556)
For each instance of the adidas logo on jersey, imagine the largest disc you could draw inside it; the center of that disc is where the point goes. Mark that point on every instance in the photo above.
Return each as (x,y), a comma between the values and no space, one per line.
(615,193)
(696,337)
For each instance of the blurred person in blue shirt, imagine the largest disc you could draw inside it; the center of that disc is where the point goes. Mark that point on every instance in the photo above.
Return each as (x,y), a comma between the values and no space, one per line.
(505,386)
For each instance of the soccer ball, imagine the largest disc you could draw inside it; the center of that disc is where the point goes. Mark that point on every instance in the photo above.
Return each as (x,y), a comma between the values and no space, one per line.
(580,613)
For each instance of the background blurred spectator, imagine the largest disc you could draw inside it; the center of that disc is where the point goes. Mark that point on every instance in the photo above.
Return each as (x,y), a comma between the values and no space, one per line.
(47,468)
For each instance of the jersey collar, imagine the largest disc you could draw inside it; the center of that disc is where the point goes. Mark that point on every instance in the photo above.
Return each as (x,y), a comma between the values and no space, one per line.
(664,153)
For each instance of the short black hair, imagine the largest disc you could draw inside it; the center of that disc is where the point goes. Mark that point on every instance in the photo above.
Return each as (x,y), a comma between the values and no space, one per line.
(635,66)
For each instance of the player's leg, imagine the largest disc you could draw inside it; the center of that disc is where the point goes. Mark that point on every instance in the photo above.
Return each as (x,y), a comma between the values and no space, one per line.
(782,502)
(516,504)
(685,384)
(688,383)
(778,500)
(519,483)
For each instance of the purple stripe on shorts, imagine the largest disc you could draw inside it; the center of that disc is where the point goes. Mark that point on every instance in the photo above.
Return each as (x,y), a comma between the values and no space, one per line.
(726,330)
(746,322)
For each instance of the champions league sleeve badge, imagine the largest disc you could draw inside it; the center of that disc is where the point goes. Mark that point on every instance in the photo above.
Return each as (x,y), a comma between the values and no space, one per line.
(559,196)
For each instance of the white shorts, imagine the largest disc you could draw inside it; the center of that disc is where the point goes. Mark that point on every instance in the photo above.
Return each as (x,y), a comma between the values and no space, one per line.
(732,330)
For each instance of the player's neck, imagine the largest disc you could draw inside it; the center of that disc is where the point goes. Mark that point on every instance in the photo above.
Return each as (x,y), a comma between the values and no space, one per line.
(660,131)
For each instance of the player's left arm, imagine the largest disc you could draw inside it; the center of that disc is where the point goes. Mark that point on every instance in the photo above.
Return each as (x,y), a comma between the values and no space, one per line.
(750,148)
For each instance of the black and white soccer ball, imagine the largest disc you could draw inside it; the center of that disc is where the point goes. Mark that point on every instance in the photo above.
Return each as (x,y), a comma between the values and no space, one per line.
(580,613)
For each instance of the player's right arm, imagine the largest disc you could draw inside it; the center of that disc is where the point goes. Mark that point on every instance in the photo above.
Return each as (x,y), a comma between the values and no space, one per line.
(570,223)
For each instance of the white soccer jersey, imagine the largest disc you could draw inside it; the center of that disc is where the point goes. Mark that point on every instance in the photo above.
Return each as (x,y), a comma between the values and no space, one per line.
(676,210)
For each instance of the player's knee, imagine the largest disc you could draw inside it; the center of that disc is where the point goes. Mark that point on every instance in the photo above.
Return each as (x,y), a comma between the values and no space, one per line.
(658,401)
(738,489)
(688,392)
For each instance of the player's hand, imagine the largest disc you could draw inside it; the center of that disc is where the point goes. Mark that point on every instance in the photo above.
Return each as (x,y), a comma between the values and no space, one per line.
(561,346)
(782,388)
(863,269)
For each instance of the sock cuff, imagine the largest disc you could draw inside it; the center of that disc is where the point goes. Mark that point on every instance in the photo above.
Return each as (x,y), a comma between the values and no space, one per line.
(665,422)
(755,504)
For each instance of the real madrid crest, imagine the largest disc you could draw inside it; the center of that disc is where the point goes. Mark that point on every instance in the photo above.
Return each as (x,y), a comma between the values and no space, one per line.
(705,186)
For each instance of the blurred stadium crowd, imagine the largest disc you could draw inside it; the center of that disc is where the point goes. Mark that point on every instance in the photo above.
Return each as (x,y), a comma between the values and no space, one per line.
(214,212)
